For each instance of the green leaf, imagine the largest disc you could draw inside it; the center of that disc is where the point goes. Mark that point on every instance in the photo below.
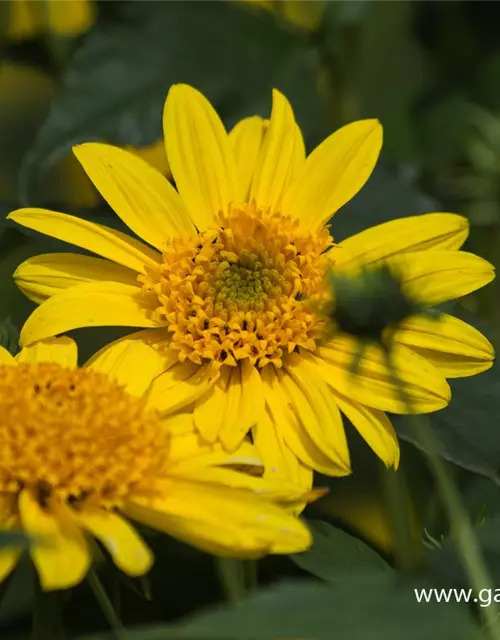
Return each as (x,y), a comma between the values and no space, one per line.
(9,335)
(335,551)
(115,86)
(356,606)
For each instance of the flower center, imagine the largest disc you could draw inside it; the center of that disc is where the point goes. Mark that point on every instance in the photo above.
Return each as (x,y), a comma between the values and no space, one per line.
(75,433)
(238,290)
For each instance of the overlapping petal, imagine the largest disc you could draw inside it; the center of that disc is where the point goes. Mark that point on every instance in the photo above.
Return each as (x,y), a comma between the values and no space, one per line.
(454,347)
(333,173)
(440,231)
(200,155)
(61,350)
(93,304)
(138,193)
(43,276)
(97,238)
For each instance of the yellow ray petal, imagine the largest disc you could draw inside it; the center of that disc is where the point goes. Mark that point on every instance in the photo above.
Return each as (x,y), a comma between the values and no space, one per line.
(316,409)
(416,233)
(453,347)
(62,350)
(433,277)
(9,558)
(209,410)
(279,461)
(62,558)
(244,405)
(190,451)
(180,386)
(372,385)
(199,514)
(276,160)
(276,490)
(199,153)
(299,152)
(375,428)
(93,304)
(6,357)
(334,172)
(42,276)
(127,549)
(130,362)
(103,241)
(246,138)
(138,193)
(287,421)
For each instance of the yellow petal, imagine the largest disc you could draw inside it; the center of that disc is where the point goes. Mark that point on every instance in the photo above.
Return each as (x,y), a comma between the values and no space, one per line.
(127,549)
(317,410)
(62,558)
(372,385)
(130,362)
(275,162)
(417,233)
(190,451)
(287,421)
(68,19)
(42,276)
(375,428)
(93,304)
(62,350)
(209,408)
(138,193)
(97,238)
(244,404)
(246,138)
(433,277)
(334,172)
(455,348)
(9,558)
(179,387)
(6,357)
(199,153)
(279,461)
(222,521)
(299,152)
(271,489)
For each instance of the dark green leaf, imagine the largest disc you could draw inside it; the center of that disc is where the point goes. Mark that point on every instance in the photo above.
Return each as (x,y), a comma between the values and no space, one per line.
(116,83)
(9,335)
(336,551)
(361,607)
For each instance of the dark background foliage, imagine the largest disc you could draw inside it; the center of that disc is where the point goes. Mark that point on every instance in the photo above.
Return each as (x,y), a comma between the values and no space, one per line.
(430,71)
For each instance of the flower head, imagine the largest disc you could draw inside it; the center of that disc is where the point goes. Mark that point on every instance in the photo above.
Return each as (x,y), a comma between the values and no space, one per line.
(230,266)
(83,448)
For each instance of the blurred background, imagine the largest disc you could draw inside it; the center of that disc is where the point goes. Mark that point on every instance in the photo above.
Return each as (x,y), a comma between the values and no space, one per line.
(79,70)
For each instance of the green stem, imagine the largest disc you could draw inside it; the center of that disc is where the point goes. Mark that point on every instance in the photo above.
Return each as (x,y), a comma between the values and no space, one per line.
(47,614)
(461,528)
(235,577)
(105,604)
(397,500)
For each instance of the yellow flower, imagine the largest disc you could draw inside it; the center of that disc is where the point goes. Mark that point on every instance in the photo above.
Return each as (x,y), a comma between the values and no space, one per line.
(83,449)
(236,250)
(28,18)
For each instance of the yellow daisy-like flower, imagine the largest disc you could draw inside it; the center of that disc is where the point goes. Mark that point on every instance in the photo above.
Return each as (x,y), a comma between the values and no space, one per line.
(232,254)
(83,449)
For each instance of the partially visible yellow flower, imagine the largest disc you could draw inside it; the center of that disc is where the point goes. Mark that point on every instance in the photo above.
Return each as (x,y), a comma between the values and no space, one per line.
(82,450)
(306,14)
(221,281)
(29,18)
